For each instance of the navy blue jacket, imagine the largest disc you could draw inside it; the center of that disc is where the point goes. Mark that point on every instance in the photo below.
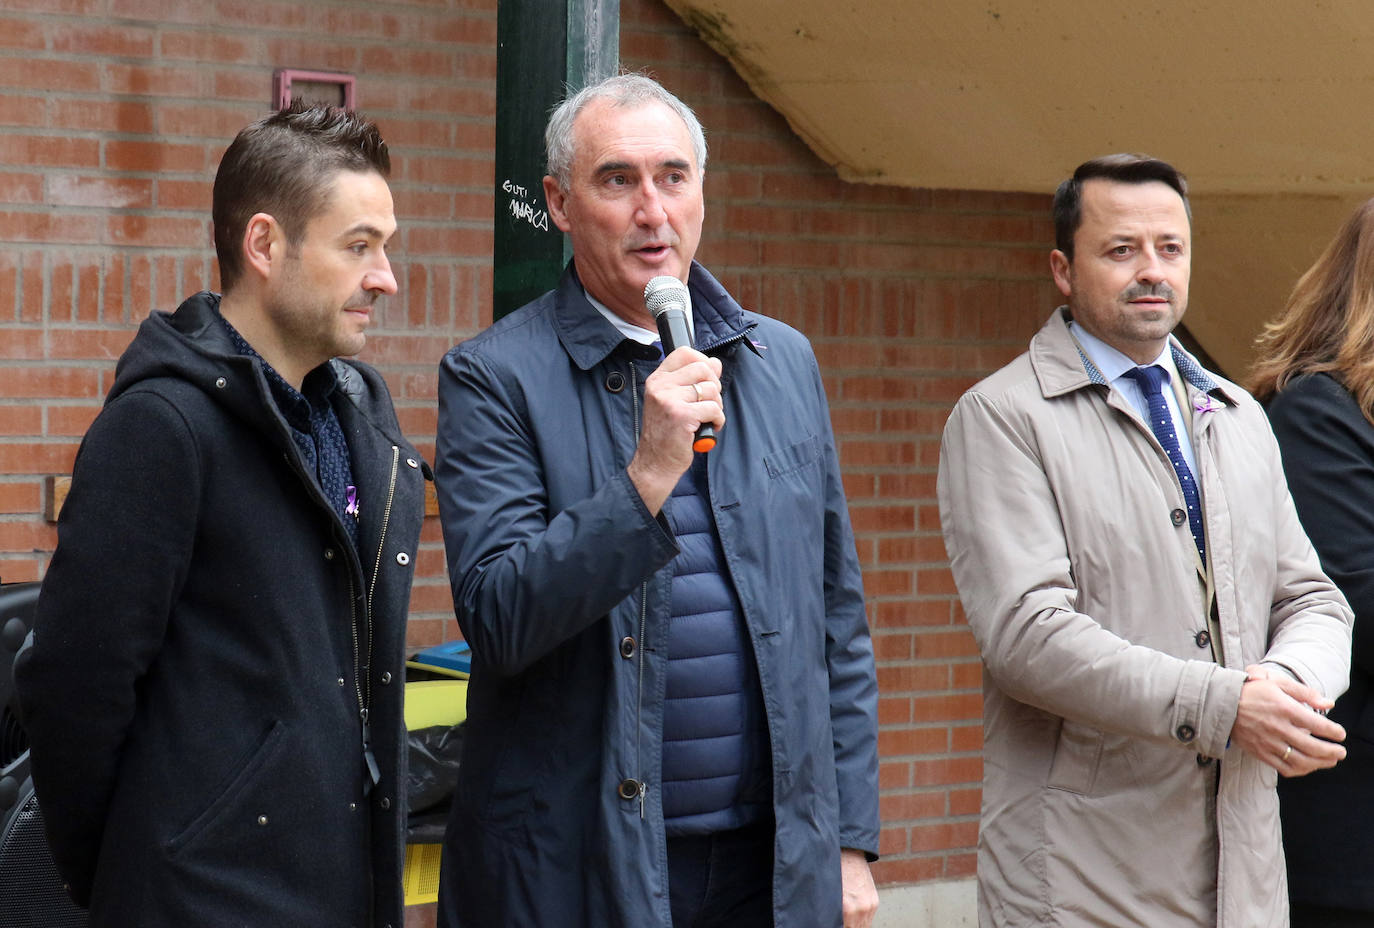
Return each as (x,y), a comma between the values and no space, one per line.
(560,582)
(203,637)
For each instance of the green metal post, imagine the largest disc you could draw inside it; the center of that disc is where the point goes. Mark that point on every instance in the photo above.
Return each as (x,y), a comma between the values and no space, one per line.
(544,49)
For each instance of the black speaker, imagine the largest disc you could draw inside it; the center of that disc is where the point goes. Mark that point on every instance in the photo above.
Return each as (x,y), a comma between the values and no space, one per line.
(31,894)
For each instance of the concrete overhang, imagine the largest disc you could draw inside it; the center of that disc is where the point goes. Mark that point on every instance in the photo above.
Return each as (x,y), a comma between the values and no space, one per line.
(1261,105)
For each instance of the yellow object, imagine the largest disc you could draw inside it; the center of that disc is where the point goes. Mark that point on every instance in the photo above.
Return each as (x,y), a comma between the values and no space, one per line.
(436,669)
(422,873)
(436,702)
(430,703)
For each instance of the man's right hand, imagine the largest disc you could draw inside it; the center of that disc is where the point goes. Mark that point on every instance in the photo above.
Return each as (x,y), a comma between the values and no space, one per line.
(1279,721)
(678,397)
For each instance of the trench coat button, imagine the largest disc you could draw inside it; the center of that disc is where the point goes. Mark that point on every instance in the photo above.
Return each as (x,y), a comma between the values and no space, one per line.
(1203,638)
(411,462)
(221,383)
(1185,733)
(385,803)
(1178,517)
(262,820)
(403,559)
(329,554)
(1203,761)
(615,381)
(627,647)
(386,677)
(629,788)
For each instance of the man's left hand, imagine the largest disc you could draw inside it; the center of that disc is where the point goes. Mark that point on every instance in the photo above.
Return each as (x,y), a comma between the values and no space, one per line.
(860,895)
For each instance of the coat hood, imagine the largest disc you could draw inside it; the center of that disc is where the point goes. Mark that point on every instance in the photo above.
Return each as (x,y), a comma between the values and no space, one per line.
(192,345)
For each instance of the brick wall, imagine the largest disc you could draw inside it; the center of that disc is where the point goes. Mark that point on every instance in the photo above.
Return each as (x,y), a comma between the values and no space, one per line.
(113,114)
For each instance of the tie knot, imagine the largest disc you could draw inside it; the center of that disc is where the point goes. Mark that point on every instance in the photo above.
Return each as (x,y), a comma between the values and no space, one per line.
(1150,378)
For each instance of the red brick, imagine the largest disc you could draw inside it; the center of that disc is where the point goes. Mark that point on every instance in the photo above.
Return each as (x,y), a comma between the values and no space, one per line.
(907,869)
(27,536)
(158,231)
(21,33)
(947,708)
(894,742)
(104,40)
(16,420)
(217,47)
(911,678)
(24,497)
(897,807)
(21,188)
(934,644)
(18,110)
(944,836)
(155,157)
(947,771)
(48,74)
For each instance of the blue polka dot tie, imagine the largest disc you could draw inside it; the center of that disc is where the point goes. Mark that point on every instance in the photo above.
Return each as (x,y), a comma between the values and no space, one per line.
(1150,380)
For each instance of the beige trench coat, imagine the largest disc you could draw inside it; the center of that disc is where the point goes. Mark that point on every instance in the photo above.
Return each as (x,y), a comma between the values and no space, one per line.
(1110,796)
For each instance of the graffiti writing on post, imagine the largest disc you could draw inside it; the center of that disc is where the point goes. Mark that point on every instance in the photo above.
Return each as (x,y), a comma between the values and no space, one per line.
(523,208)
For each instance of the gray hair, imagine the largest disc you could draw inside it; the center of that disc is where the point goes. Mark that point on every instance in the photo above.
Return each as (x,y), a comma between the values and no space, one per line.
(625,90)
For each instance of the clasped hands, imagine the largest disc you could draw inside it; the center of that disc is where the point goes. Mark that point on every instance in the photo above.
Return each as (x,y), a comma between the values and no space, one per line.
(1280,721)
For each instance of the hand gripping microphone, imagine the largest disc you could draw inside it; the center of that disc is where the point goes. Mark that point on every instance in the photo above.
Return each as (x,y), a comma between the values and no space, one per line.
(666,299)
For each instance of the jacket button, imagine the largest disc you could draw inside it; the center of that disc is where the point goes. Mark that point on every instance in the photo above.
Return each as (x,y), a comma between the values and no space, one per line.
(1185,733)
(341,681)
(221,383)
(386,677)
(411,462)
(1203,761)
(403,559)
(1203,638)
(262,820)
(329,554)
(353,807)
(1178,516)
(629,788)
(627,647)
(615,381)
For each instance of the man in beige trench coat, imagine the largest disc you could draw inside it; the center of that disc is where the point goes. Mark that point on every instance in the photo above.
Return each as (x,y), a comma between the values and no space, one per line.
(1158,639)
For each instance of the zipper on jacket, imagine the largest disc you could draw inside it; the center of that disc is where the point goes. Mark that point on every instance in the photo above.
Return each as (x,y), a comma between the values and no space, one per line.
(643,624)
(363,687)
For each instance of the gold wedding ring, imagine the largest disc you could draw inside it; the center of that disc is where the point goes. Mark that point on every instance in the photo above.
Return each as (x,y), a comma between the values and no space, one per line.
(1287,749)
(697,387)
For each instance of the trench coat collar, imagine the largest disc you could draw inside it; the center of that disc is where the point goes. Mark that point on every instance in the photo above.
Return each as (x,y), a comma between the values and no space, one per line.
(589,338)
(1061,366)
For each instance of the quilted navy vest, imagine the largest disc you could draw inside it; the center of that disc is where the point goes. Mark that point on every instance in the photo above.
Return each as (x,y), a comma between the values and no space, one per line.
(716,767)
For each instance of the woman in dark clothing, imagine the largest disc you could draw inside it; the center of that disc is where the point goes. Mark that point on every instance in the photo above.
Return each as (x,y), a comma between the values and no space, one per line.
(1316,375)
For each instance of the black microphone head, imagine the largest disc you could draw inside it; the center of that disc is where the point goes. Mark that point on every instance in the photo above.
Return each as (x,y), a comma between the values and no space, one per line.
(664,293)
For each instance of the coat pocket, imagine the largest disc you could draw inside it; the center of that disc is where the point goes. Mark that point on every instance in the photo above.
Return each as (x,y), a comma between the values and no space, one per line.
(237,785)
(1077,755)
(793,457)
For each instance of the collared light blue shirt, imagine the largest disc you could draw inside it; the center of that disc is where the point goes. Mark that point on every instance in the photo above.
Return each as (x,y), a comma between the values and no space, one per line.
(1114,365)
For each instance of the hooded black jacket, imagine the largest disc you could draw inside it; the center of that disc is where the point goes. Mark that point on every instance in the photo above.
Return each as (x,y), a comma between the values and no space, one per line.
(205,636)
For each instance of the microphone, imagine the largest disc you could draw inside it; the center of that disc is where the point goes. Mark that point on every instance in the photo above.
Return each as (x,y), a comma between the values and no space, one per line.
(666,299)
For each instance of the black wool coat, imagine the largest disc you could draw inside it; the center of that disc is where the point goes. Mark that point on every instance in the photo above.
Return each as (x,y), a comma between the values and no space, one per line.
(1328,816)
(205,635)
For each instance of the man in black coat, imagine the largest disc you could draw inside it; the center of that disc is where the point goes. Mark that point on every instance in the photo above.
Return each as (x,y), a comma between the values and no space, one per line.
(214,692)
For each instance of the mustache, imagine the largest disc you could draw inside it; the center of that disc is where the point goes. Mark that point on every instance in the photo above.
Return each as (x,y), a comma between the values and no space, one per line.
(362,298)
(1161,290)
